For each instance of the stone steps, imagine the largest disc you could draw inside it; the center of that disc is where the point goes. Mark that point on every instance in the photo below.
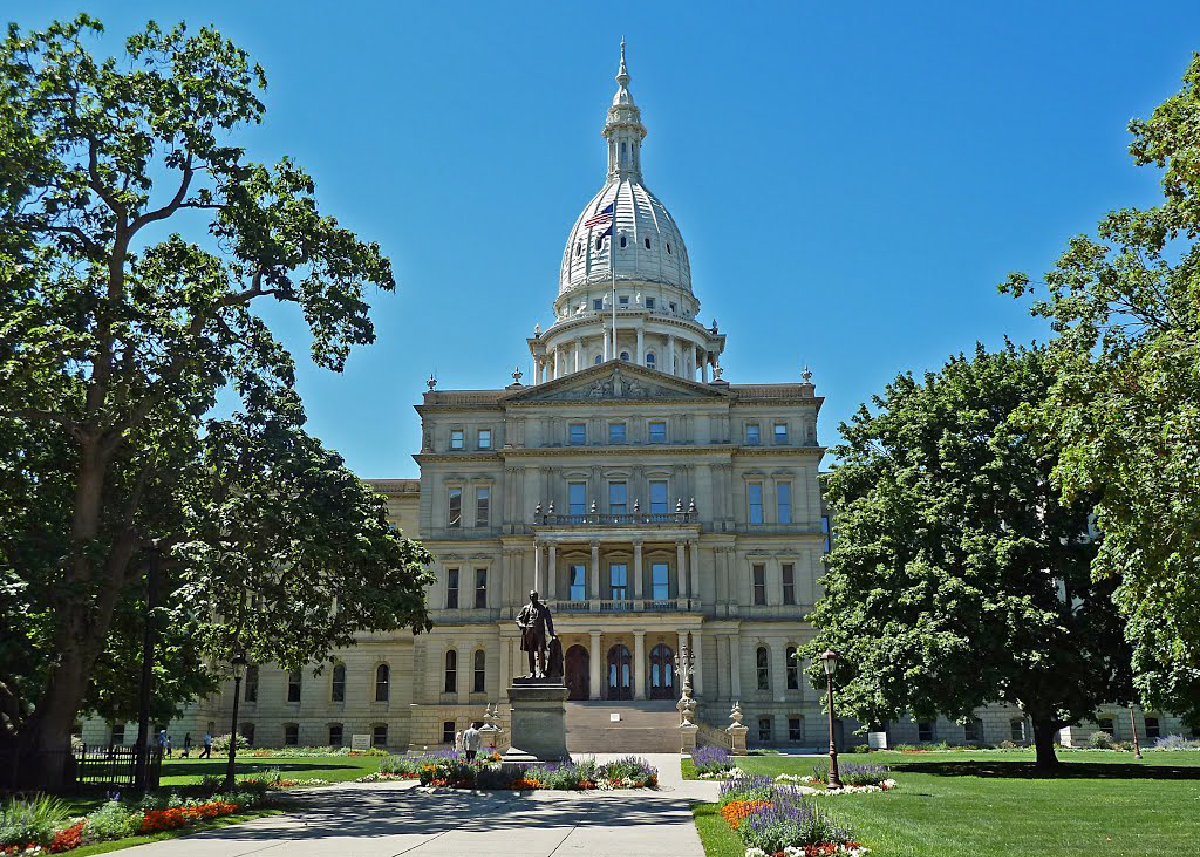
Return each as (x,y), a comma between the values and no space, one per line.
(645,726)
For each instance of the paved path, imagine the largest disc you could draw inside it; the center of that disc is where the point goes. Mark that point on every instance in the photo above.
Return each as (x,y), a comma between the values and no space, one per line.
(392,819)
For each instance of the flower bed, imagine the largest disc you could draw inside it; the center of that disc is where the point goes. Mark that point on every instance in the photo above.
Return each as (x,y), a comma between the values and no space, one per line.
(883,786)
(855,775)
(774,819)
(451,770)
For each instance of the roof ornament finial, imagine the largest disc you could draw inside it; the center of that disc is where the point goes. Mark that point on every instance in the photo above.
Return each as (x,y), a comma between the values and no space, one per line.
(432,382)
(623,71)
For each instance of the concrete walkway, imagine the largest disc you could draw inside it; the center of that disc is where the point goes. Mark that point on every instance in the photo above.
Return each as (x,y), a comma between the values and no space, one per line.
(392,819)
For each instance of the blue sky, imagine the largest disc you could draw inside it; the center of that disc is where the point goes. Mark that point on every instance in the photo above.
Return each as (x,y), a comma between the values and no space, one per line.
(852,180)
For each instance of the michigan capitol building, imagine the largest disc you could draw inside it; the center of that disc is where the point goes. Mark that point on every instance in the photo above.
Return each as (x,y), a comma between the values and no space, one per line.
(651,502)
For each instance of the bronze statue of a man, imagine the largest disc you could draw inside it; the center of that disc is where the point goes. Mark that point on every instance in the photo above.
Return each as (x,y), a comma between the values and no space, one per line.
(536,626)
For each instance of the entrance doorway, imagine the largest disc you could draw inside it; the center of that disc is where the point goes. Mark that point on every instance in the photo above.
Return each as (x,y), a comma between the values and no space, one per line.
(619,685)
(662,672)
(576,669)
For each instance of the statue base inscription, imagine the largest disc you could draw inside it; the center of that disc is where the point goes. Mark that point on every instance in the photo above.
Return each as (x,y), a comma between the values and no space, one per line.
(538,731)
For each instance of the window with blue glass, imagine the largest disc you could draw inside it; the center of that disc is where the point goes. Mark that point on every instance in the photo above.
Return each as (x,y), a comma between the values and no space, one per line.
(658,496)
(660,581)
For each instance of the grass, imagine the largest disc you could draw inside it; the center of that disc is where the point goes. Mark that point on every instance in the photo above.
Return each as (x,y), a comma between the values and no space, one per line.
(211,824)
(982,803)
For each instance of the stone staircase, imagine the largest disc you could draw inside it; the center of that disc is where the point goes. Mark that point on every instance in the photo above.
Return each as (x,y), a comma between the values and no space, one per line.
(644,726)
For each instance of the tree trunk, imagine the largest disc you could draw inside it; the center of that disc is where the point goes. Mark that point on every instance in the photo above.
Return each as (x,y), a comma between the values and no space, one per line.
(1044,731)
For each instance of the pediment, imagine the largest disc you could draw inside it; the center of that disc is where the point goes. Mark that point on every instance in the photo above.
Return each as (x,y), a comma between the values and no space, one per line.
(615,380)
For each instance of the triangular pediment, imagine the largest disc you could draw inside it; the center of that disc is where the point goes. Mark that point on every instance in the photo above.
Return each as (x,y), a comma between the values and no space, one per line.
(615,380)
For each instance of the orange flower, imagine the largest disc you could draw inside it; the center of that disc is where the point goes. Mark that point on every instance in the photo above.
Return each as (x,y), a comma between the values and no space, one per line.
(734,811)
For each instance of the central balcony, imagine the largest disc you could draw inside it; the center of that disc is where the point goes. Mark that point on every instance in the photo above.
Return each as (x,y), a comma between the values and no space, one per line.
(636,518)
(603,605)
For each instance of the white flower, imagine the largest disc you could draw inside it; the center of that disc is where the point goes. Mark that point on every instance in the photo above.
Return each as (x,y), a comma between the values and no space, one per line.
(755,852)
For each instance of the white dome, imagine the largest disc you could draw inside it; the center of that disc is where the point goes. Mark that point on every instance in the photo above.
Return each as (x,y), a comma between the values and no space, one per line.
(653,248)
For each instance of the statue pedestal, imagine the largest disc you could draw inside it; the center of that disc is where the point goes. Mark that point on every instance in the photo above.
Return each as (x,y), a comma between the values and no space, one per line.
(538,731)
(737,739)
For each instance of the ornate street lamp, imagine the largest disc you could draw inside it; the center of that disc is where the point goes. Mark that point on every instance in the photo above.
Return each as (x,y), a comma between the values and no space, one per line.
(685,663)
(829,661)
(239,670)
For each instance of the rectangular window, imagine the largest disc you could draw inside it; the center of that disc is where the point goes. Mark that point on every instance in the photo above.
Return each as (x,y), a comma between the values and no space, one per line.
(623,300)
(579,583)
(484,439)
(337,690)
(660,579)
(379,735)
(118,735)
(577,497)
(760,585)
(451,588)
(754,494)
(335,734)
(1105,724)
(795,731)
(618,581)
(291,734)
(447,731)
(618,498)
(752,438)
(250,684)
(792,662)
(616,432)
(973,730)
(480,588)
(578,434)
(826,531)
(764,729)
(483,507)
(658,432)
(783,498)
(1016,729)
(247,730)
(454,516)
(597,303)
(672,305)
(456,438)
(789,583)
(649,303)
(1152,728)
(293,690)
(479,680)
(658,496)
(781,434)
(924,731)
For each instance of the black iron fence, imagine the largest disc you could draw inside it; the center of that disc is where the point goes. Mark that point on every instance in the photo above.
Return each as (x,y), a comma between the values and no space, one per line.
(84,766)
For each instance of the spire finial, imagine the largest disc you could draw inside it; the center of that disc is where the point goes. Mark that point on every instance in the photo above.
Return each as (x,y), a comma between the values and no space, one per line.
(623,72)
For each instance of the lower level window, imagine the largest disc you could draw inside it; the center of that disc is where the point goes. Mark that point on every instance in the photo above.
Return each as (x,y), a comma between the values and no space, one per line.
(924,731)
(795,729)
(448,732)
(335,734)
(1016,730)
(764,729)
(379,735)
(118,734)
(1152,729)
(291,734)
(973,731)
(247,731)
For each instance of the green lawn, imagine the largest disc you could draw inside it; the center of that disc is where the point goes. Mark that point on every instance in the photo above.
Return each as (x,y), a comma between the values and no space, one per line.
(996,804)
(177,771)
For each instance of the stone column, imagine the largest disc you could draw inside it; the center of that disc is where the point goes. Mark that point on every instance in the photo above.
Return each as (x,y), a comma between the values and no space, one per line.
(637,570)
(698,678)
(704,370)
(551,573)
(670,367)
(555,363)
(594,595)
(596,666)
(681,570)
(537,567)
(639,664)
(607,350)
(778,664)
(641,346)
(578,355)
(735,668)
(694,556)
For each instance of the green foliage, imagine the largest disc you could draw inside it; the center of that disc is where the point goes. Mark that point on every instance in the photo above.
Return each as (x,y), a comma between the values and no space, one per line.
(113,820)
(1125,306)
(116,337)
(957,576)
(32,820)
(1100,740)
(220,744)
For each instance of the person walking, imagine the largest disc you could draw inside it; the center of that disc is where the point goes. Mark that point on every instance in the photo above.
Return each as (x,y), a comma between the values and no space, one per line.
(187,744)
(162,742)
(458,742)
(470,739)
(207,754)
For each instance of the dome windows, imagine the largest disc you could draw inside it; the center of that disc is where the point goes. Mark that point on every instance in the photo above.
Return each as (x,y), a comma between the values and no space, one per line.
(599,243)
(651,361)
(668,249)
(624,240)
(647,243)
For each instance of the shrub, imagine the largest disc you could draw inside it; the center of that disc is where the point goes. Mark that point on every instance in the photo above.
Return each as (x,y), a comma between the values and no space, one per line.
(220,744)
(853,775)
(31,821)
(632,768)
(113,820)
(708,759)
(1100,741)
(1175,742)
(906,748)
(860,748)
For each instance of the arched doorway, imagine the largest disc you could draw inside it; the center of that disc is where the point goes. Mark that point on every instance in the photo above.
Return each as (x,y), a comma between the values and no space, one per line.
(619,683)
(662,672)
(576,669)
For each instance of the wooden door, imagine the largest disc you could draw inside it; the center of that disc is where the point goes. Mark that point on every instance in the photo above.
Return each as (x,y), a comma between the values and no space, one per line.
(576,677)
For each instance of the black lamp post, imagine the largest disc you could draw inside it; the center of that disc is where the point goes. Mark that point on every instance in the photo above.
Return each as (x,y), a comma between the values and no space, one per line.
(829,661)
(239,670)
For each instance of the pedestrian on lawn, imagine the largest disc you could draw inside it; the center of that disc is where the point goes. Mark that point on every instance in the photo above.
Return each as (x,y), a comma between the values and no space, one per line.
(207,754)
(187,744)
(470,740)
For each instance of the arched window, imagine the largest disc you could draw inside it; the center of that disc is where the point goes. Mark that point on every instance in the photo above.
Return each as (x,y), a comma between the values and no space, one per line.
(477,685)
(793,668)
(763,667)
(624,240)
(668,249)
(599,243)
(647,243)
(625,356)
(650,360)
(598,359)
(338,686)
(382,682)
(624,152)
(293,686)
(451,683)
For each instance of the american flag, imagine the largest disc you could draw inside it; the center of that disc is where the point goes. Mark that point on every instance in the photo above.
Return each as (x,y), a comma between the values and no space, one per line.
(602,218)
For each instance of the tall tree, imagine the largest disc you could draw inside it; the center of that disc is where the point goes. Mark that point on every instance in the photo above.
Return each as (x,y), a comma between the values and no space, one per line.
(1125,408)
(116,337)
(957,577)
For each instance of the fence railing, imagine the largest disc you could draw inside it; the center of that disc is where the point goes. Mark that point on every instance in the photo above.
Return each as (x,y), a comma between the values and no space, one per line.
(87,765)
